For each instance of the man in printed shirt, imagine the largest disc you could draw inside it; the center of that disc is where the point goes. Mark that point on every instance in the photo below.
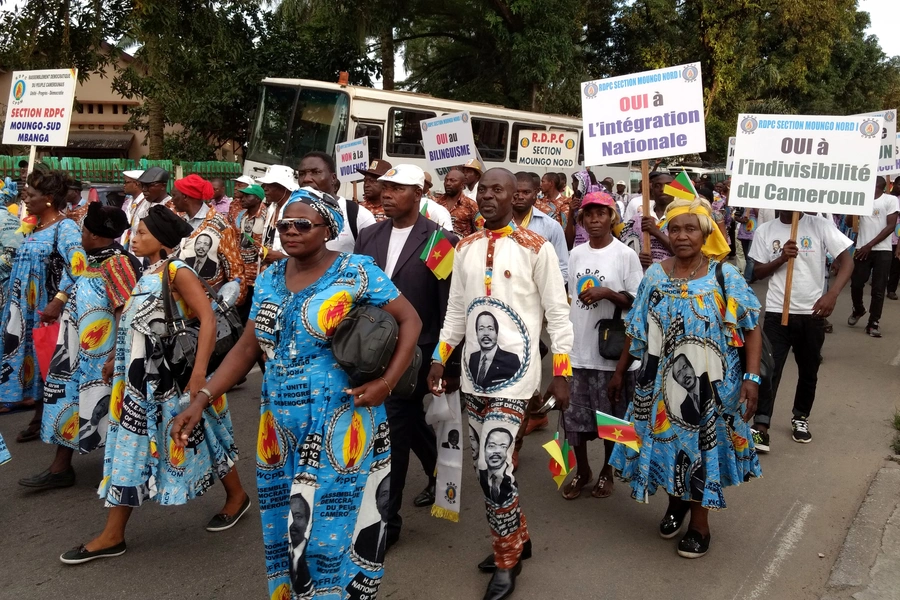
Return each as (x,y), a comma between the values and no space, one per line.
(553,203)
(372,188)
(213,242)
(250,225)
(512,275)
(462,209)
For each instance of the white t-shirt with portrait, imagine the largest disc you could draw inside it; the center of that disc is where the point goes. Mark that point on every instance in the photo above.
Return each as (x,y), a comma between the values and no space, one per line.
(395,246)
(616,267)
(815,237)
(870,227)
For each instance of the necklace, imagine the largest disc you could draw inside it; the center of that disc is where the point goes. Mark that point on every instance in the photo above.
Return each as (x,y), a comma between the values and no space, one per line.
(155,266)
(684,281)
(56,218)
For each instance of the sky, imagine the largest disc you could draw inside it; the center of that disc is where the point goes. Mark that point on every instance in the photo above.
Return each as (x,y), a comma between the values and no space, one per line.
(883,15)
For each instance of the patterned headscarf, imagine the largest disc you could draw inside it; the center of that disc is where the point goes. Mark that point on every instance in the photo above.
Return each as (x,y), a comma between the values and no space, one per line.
(324,204)
(8,190)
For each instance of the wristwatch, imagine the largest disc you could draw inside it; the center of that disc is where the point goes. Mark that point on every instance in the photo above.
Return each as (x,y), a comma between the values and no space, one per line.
(753,377)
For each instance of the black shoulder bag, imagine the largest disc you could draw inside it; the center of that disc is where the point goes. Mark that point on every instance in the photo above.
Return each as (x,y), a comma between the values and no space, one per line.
(766,359)
(56,266)
(180,341)
(611,336)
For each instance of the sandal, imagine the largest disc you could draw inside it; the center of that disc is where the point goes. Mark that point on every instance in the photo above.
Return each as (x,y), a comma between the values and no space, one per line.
(30,433)
(573,489)
(604,487)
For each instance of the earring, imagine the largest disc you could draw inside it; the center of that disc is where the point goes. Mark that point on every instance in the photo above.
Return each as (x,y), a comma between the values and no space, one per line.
(49,204)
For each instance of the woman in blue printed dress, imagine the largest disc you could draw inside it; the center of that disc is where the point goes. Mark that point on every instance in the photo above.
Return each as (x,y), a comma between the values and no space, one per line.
(43,274)
(77,391)
(323,452)
(692,400)
(141,462)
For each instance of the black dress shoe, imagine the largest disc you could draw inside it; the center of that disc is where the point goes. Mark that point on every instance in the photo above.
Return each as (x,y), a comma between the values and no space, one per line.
(489,566)
(672,521)
(426,498)
(693,545)
(48,480)
(503,583)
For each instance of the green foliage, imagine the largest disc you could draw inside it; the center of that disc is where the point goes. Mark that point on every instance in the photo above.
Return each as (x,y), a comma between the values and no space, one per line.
(188,146)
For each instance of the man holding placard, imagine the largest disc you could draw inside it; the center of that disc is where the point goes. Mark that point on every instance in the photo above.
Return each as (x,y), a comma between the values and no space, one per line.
(810,305)
(873,257)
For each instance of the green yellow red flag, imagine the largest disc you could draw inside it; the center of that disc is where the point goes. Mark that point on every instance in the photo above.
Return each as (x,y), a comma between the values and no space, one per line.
(617,430)
(682,187)
(438,255)
(562,459)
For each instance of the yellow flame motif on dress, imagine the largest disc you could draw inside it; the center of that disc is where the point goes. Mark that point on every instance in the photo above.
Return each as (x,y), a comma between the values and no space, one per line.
(740,442)
(31,295)
(154,450)
(354,440)
(282,592)
(661,423)
(78,264)
(220,405)
(176,454)
(115,402)
(69,429)
(267,449)
(28,369)
(96,334)
(333,311)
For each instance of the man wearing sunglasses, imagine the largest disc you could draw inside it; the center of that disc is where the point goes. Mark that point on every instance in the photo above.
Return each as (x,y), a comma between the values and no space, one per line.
(396,245)
(152,184)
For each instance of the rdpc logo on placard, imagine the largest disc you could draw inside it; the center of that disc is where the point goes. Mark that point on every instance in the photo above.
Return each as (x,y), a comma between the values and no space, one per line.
(18,91)
(869,128)
(591,90)
(690,73)
(749,124)
(424,126)
(889,116)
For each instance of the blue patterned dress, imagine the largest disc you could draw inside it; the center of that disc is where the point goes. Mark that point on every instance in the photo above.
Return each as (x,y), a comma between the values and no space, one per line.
(9,243)
(686,408)
(20,378)
(141,461)
(323,466)
(76,399)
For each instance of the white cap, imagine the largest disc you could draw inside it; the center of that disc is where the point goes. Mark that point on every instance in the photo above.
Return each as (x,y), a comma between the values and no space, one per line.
(621,182)
(133,174)
(405,175)
(282,175)
(246,179)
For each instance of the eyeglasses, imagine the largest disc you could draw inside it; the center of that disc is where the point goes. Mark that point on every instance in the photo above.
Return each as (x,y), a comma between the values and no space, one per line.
(300,225)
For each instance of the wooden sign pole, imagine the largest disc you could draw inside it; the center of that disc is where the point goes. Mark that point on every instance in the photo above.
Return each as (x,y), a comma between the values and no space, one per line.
(786,309)
(645,193)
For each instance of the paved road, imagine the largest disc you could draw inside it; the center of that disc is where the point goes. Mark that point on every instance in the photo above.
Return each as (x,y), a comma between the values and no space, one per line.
(766,545)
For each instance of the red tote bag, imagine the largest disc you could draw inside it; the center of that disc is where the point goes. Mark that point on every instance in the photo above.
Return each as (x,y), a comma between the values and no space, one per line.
(45,338)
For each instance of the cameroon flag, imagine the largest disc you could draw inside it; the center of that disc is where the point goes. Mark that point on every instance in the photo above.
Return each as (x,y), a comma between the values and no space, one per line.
(616,430)
(438,255)
(562,459)
(682,187)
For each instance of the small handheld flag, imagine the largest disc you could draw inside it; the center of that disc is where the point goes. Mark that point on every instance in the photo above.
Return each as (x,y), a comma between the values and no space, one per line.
(617,430)
(562,459)
(28,224)
(682,187)
(438,255)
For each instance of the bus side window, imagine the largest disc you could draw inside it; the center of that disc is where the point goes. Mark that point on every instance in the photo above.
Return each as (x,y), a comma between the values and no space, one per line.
(490,138)
(405,132)
(514,139)
(581,150)
(375,138)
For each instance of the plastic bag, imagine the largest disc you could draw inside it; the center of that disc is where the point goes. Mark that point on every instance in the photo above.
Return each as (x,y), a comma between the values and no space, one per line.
(45,338)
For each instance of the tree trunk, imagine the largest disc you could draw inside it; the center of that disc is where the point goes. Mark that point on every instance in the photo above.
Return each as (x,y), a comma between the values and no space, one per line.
(387,57)
(534,98)
(156,123)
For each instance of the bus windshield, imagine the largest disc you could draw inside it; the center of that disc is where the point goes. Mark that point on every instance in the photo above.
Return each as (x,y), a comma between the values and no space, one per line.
(292,121)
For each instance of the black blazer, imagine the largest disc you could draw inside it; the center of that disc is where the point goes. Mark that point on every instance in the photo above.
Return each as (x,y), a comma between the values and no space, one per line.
(368,545)
(504,493)
(425,292)
(503,367)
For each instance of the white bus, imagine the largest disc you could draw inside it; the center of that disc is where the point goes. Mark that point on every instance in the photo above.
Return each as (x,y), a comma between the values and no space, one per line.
(296,116)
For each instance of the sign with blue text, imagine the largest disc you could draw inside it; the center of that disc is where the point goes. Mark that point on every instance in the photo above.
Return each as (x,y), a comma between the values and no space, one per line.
(806,163)
(887,157)
(448,140)
(653,114)
(350,157)
(39,108)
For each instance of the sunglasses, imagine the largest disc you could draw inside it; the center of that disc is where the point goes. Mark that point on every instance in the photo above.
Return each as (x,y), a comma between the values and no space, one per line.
(300,225)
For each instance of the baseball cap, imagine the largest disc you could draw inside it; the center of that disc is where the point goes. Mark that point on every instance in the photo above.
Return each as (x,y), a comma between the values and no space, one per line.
(405,175)
(154,175)
(473,163)
(621,182)
(377,168)
(598,199)
(282,175)
(245,179)
(135,174)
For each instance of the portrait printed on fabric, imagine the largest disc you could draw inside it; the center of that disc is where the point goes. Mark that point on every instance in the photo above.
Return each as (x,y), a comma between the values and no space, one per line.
(689,383)
(299,526)
(201,254)
(498,348)
(495,470)
(370,536)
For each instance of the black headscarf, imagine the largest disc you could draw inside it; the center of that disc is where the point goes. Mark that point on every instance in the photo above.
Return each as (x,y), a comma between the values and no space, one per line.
(105,221)
(167,227)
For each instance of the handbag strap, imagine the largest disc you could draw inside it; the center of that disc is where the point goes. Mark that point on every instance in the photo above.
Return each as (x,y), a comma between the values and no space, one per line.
(617,316)
(168,300)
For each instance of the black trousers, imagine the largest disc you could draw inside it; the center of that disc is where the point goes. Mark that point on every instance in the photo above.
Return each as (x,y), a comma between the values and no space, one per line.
(894,276)
(409,431)
(878,264)
(804,335)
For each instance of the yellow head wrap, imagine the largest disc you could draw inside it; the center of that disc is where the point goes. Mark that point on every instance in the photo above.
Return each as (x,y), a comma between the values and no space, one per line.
(715,245)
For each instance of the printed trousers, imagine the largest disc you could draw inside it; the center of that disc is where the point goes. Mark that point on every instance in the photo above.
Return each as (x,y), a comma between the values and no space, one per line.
(493,425)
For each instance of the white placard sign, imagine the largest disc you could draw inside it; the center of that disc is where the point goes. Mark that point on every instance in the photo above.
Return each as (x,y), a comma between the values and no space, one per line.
(39,109)
(887,159)
(806,163)
(448,140)
(352,156)
(547,149)
(653,114)
(729,162)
